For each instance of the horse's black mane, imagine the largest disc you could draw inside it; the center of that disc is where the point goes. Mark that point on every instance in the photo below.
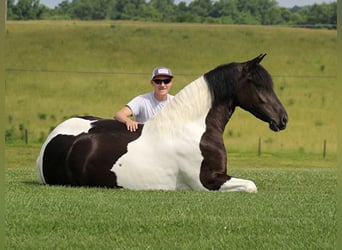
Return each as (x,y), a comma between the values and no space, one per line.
(261,77)
(222,81)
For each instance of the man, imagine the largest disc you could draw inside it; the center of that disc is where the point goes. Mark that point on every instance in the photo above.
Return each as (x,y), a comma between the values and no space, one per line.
(145,106)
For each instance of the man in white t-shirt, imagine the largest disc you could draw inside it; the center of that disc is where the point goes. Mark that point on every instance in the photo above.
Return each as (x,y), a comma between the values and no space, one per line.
(145,106)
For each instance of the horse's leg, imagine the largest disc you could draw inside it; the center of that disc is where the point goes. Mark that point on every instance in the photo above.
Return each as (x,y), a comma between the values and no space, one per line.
(213,171)
(213,174)
(99,164)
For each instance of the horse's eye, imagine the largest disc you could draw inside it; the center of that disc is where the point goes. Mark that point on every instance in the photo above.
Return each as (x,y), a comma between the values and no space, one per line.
(257,85)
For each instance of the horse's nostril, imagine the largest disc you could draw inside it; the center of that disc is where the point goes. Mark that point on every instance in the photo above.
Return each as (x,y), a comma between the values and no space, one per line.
(284,120)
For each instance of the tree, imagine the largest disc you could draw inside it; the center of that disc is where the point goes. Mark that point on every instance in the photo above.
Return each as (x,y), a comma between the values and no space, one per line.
(264,12)
(182,13)
(165,8)
(29,9)
(91,10)
(11,10)
(285,15)
(321,14)
(64,6)
(201,8)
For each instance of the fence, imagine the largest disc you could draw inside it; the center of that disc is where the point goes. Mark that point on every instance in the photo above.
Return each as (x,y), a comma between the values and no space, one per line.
(324,148)
(141,73)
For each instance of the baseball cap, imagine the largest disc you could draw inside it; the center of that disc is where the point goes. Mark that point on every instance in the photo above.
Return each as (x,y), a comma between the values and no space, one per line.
(161,71)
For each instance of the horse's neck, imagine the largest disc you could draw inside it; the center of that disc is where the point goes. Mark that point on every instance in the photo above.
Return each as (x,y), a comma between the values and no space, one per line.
(219,116)
(192,103)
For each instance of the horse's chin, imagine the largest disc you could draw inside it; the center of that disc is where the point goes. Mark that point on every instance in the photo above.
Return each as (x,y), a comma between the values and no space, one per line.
(274,126)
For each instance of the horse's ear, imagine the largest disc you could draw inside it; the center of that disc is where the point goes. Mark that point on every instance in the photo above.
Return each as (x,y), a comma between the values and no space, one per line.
(252,63)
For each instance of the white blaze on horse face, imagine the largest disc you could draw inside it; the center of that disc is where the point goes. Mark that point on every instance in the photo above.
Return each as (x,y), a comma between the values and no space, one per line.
(72,126)
(167,155)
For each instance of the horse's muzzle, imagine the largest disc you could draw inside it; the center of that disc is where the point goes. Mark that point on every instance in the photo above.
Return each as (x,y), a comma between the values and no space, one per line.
(277,126)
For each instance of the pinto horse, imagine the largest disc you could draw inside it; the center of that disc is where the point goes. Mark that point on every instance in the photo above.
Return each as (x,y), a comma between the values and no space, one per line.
(180,148)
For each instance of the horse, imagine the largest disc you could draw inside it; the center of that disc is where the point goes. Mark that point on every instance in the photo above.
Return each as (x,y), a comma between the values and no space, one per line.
(180,148)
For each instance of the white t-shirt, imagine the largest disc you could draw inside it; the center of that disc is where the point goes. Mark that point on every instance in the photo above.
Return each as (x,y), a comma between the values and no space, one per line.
(146,106)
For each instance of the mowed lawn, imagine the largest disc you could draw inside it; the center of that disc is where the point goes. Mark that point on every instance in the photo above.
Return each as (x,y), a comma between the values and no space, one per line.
(64,68)
(295,208)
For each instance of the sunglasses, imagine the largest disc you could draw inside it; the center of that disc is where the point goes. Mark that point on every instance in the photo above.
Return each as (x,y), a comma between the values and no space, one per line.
(160,81)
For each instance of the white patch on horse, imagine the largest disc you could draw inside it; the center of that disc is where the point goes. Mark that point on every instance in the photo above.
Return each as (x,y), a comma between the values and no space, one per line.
(236,184)
(72,126)
(167,155)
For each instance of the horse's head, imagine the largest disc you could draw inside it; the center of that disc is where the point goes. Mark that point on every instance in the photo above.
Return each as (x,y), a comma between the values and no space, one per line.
(254,93)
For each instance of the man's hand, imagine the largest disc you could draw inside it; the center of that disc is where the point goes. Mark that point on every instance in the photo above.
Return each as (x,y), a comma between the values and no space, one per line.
(132,125)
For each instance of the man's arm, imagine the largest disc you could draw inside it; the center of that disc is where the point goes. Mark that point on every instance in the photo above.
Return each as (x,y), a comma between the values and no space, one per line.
(123,115)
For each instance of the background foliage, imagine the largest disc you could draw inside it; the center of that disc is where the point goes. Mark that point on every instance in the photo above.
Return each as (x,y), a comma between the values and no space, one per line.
(265,12)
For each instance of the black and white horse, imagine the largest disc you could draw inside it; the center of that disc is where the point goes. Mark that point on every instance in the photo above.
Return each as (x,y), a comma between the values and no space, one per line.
(180,148)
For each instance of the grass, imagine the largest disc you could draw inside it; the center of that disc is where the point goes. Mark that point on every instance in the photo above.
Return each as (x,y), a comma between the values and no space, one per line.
(295,208)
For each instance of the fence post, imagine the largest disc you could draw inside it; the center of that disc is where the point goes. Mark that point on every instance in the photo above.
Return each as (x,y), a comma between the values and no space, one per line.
(324,148)
(26,136)
(259,147)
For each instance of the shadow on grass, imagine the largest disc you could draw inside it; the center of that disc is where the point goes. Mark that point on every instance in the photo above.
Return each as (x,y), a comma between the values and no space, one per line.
(32,183)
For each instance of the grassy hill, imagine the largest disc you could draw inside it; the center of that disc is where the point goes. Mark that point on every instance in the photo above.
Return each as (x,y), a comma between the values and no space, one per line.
(56,69)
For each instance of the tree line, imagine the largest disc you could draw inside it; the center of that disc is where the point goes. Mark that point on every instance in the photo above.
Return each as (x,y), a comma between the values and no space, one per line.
(260,12)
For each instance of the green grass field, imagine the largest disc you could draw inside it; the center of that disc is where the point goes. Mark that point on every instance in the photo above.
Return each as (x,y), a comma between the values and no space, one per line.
(295,208)
(64,68)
